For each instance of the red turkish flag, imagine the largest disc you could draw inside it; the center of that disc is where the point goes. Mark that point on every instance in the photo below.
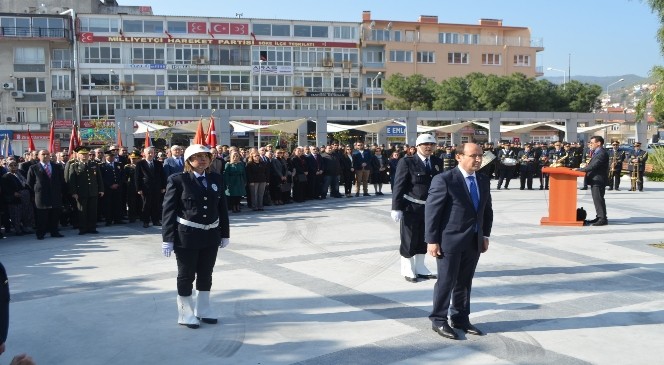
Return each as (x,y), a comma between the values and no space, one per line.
(199,138)
(148,141)
(211,138)
(51,138)
(73,139)
(86,37)
(240,29)
(219,28)
(196,27)
(31,143)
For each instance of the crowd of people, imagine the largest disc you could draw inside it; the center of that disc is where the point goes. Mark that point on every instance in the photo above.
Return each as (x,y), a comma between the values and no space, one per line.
(42,192)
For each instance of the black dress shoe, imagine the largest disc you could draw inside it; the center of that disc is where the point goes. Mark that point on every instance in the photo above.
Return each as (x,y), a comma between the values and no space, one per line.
(366,194)
(410,280)
(427,276)
(146,225)
(109,224)
(156,224)
(94,231)
(445,330)
(40,237)
(81,233)
(609,189)
(357,194)
(600,223)
(56,234)
(208,320)
(468,328)
(583,188)
(593,221)
(617,189)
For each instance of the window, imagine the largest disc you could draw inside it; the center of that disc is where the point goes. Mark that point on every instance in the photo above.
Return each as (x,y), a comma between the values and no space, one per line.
(183,80)
(396,35)
(374,56)
(185,53)
(615,127)
(457,58)
(279,102)
(230,102)
(31,84)
(99,107)
(146,102)
(426,57)
(143,26)
(99,25)
(273,82)
(410,36)
(345,56)
(311,57)
(48,27)
(176,27)
(230,55)
(32,115)
(313,81)
(60,82)
(29,56)
(345,32)
(101,53)
(401,56)
(471,38)
(449,38)
(380,35)
(61,58)
(148,82)
(491,59)
(151,54)
(312,31)
(188,102)
(276,56)
(231,80)
(275,30)
(344,82)
(521,60)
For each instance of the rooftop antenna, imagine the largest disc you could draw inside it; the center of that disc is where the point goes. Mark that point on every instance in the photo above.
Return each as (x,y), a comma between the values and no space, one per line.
(239,15)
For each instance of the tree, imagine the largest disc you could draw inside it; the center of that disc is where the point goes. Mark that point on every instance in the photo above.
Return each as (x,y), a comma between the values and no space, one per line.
(656,96)
(414,92)
(452,94)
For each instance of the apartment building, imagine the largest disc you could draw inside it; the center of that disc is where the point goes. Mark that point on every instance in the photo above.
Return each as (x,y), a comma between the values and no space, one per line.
(442,50)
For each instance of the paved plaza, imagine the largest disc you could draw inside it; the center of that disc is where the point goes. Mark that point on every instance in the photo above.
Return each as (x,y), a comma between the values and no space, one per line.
(319,283)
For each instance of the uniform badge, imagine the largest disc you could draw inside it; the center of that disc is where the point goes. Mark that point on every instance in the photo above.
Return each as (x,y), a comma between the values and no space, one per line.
(214,187)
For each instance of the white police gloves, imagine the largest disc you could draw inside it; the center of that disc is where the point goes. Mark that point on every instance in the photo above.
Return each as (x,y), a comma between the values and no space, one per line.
(396,215)
(167,248)
(224,242)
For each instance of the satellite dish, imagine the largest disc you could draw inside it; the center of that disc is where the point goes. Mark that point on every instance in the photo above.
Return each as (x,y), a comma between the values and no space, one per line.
(372,25)
(389,26)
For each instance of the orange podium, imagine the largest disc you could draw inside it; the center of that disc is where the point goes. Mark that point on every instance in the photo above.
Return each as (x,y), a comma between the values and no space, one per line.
(562,197)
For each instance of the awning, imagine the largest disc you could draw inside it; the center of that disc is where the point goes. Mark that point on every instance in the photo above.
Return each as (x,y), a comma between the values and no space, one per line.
(239,127)
(450,128)
(288,127)
(148,127)
(594,128)
(521,128)
(375,127)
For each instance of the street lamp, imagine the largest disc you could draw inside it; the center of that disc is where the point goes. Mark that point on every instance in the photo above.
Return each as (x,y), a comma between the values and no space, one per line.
(77,100)
(564,74)
(260,82)
(609,85)
(372,89)
(373,80)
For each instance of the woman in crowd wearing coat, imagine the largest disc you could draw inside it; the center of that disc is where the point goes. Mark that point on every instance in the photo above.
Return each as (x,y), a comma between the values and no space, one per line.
(347,171)
(378,170)
(300,172)
(393,162)
(258,174)
(235,176)
(194,226)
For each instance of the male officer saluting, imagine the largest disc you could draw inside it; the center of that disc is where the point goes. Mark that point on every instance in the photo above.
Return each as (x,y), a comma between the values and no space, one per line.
(411,186)
(86,186)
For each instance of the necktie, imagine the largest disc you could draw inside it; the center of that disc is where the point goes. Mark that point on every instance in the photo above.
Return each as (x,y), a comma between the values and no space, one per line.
(150,165)
(201,180)
(474,196)
(179,161)
(47,168)
(427,167)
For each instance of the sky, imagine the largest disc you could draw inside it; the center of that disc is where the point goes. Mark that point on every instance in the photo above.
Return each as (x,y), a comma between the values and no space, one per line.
(588,37)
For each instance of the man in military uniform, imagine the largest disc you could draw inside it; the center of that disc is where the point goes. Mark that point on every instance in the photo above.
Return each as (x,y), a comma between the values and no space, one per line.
(616,158)
(506,165)
(449,159)
(411,187)
(112,176)
(86,186)
(637,166)
(134,201)
(571,158)
(526,167)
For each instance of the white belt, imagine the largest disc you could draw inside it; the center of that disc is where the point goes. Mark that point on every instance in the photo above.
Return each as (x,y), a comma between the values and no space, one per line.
(198,225)
(410,198)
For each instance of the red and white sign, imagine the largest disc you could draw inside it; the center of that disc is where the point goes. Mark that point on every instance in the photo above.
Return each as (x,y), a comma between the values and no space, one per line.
(220,28)
(196,27)
(62,123)
(87,37)
(97,124)
(240,29)
(23,136)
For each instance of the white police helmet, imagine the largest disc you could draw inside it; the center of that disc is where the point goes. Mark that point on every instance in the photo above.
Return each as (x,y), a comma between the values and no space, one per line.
(194,149)
(425,138)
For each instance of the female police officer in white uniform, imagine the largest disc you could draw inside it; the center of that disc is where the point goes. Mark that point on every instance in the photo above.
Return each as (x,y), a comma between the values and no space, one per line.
(195,225)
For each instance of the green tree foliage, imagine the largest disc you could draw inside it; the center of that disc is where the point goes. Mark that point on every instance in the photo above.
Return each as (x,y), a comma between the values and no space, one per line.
(656,97)
(477,91)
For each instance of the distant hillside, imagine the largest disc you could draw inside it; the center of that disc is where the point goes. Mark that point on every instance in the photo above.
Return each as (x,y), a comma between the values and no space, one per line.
(604,81)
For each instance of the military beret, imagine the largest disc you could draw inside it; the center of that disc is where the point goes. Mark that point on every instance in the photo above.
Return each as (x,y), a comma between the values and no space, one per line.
(82,150)
(134,154)
(637,144)
(109,152)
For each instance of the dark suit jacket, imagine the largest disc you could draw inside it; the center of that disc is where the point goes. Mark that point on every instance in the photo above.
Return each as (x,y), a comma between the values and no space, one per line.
(4,304)
(361,157)
(149,180)
(48,191)
(186,198)
(597,170)
(9,184)
(449,216)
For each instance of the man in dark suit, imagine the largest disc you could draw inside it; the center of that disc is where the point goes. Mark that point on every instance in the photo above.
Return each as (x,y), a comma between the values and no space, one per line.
(458,220)
(361,160)
(150,184)
(47,181)
(597,175)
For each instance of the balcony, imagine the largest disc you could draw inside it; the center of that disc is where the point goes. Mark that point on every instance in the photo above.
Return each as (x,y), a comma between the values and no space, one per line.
(63,64)
(29,32)
(62,95)
(539,71)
